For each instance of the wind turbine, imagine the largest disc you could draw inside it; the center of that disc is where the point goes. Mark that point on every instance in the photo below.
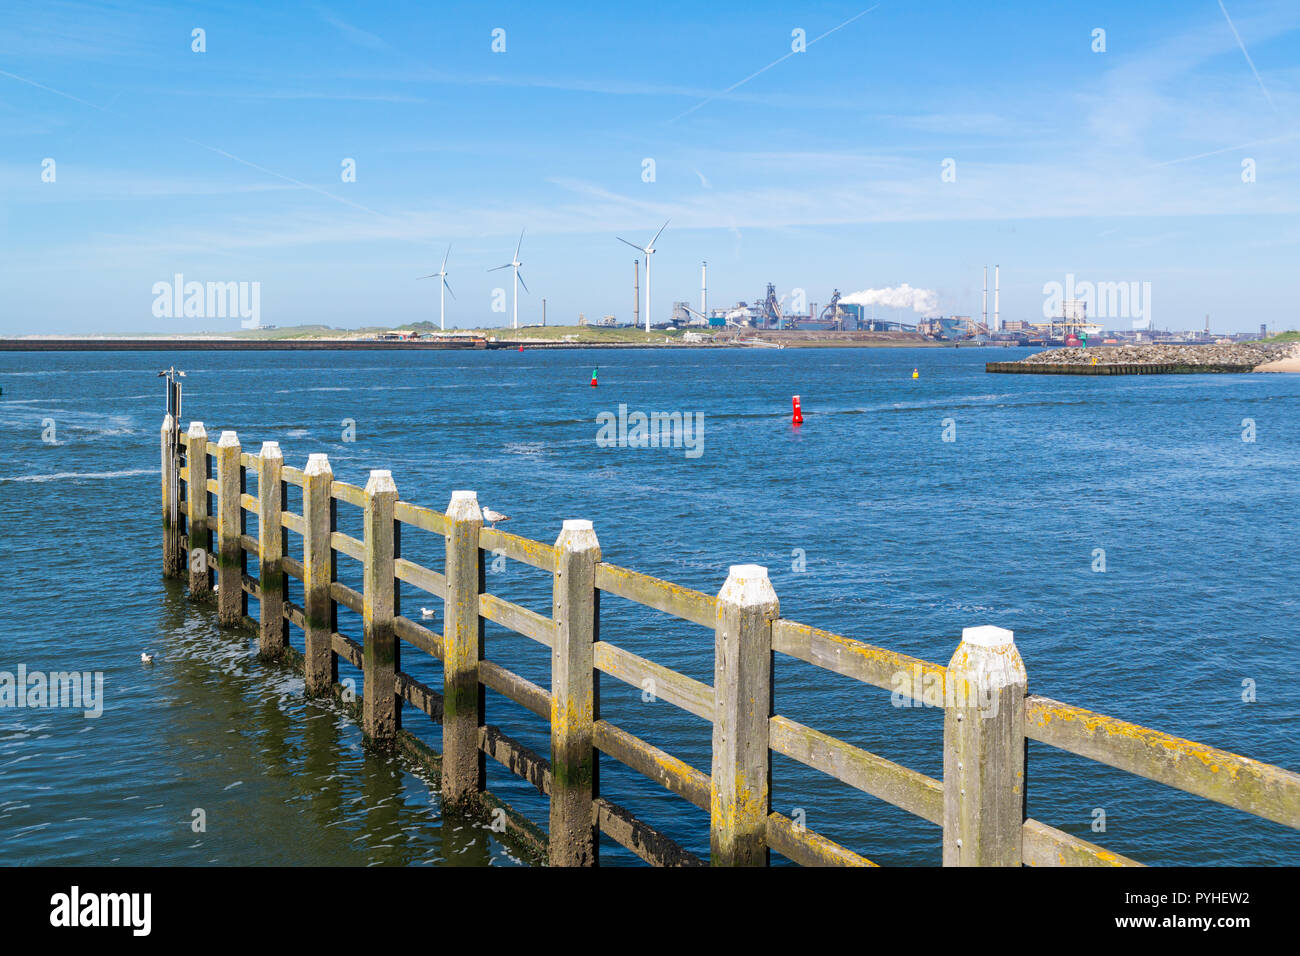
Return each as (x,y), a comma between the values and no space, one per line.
(649,251)
(515,264)
(443,289)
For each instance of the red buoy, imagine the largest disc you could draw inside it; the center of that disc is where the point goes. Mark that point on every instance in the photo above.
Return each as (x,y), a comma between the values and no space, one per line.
(521,348)
(593,378)
(797,417)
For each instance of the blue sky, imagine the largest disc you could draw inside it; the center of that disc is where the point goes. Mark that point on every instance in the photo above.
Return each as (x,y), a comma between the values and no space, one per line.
(823,171)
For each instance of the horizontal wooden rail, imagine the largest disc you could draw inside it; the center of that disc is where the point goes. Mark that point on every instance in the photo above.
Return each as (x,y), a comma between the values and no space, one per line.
(424,518)
(646,842)
(346,544)
(518,619)
(249,461)
(509,684)
(517,758)
(248,502)
(293,522)
(806,847)
(1259,788)
(350,599)
(911,791)
(677,689)
(1047,846)
(351,494)
(649,761)
(431,582)
(426,640)
(348,649)
(293,476)
(694,606)
(858,660)
(420,696)
(518,549)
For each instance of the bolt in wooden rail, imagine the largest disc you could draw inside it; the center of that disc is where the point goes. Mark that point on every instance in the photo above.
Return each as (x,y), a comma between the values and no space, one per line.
(740,796)
(575,703)
(318,514)
(273,629)
(984,751)
(380,711)
(230,525)
(462,641)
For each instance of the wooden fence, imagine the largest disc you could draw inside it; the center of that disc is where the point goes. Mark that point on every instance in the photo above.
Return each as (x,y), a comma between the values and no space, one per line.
(979,804)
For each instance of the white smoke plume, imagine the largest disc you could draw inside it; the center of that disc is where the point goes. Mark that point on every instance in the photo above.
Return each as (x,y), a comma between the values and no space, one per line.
(921,301)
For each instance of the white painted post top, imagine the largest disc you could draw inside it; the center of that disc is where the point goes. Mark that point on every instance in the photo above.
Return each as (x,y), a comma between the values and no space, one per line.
(318,464)
(168,422)
(987,636)
(228,440)
(196,430)
(380,481)
(464,506)
(270,449)
(577,524)
(748,586)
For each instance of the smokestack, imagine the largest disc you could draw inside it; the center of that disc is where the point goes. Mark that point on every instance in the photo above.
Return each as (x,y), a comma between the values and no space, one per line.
(704,290)
(636,293)
(986,297)
(997,322)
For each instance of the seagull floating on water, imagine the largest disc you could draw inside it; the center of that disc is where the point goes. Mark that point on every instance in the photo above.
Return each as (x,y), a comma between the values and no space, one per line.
(146,658)
(492,517)
(426,612)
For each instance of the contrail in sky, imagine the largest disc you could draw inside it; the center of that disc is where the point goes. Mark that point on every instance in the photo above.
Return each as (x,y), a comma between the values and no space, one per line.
(769,66)
(1249,62)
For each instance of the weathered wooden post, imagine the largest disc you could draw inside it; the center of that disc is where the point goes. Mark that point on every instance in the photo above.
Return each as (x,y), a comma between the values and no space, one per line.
(574,701)
(230,525)
(462,637)
(380,709)
(171,496)
(272,634)
(984,751)
(196,508)
(318,512)
(740,800)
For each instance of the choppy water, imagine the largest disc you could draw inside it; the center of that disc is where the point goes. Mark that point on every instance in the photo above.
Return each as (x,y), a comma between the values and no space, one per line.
(906,538)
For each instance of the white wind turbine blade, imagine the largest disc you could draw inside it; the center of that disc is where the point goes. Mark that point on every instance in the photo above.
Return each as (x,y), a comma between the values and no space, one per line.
(519,244)
(444,259)
(520,277)
(434,276)
(506,266)
(658,234)
(448,285)
(632,244)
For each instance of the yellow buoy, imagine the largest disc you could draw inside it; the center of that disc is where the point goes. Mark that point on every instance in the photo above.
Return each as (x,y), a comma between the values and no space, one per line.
(916,373)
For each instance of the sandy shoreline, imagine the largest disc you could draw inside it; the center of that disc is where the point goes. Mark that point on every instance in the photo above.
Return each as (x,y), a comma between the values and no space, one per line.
(1290,364)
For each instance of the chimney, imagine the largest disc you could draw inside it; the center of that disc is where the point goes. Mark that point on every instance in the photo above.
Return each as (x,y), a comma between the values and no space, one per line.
(704,290)
(997,323)
(986,296)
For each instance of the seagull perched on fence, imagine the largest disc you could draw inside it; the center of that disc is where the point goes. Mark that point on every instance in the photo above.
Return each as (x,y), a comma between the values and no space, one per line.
(492,517)
(426,612)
